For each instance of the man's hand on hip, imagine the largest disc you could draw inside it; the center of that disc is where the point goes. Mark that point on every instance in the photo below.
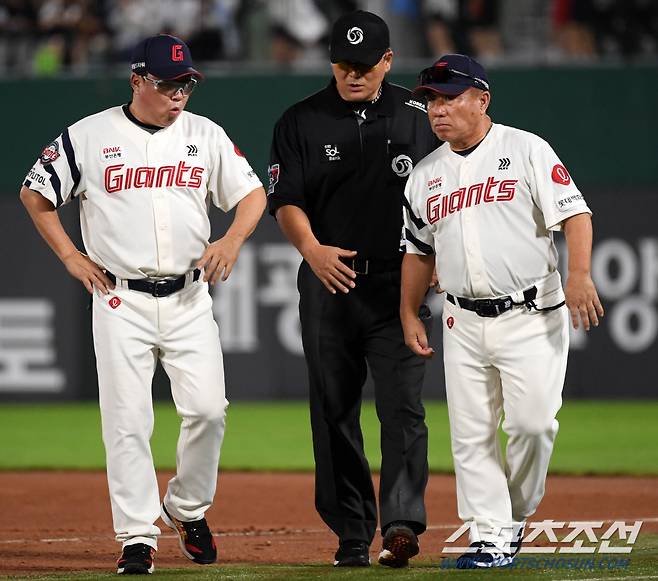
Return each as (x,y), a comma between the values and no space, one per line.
(87,272)
(327,266)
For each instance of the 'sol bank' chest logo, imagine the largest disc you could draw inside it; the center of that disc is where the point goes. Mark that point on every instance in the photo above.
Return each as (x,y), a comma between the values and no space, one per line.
(332,152)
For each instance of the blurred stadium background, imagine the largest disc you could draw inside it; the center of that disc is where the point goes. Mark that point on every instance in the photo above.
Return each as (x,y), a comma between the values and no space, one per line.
(583,74)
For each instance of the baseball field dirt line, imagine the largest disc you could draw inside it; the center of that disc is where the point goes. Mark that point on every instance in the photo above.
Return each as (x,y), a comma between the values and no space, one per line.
(261,518)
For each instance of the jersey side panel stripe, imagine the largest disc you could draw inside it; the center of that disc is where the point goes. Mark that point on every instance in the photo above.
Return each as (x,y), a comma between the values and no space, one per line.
(55,183)
(418,223)
(70,157)
(424,248)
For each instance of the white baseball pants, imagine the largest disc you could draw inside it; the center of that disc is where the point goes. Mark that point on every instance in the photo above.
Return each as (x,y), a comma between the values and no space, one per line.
(128,339)
(512,365)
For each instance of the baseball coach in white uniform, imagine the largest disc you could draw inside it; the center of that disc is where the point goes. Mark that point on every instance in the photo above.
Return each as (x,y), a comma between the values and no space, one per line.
(483,207)
(145,174)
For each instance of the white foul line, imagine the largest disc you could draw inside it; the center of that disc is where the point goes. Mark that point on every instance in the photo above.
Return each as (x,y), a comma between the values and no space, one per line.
(283,532)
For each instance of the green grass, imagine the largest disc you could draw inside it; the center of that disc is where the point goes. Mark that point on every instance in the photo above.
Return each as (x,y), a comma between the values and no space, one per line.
(643,565)
(596,437)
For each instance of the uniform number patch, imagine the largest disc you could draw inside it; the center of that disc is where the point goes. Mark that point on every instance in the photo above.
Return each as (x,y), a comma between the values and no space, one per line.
(50,153)
(560,175)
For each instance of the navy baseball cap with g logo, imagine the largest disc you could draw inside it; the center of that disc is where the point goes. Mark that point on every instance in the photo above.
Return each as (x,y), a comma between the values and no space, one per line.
(165,57)
(452,74)
(359,37)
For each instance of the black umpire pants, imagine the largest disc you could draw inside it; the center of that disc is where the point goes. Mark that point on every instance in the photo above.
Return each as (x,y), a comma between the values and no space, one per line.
(343,335)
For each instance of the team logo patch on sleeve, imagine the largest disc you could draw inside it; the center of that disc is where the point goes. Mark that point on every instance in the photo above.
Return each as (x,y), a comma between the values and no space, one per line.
(560,175)
(273,175)
(237,150)
(50,153)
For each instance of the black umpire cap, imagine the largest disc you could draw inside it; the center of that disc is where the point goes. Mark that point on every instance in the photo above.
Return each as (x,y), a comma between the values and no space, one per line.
(165,57)
(359,37)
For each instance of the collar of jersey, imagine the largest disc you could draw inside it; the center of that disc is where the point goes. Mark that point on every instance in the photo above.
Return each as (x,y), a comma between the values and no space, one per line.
(126,110)
(475,150)
(339,108)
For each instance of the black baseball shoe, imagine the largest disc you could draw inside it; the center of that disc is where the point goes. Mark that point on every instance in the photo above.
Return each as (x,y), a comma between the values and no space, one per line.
(136,559)
(484,555)
(194,538)
(400,543)
(352,554)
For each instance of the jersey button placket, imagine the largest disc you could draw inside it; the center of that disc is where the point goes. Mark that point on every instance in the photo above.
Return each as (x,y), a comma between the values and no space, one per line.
(471,238)
(161,214)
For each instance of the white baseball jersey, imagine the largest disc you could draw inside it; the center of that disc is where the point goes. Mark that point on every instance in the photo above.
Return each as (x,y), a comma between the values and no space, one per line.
(489,216)
(144,198)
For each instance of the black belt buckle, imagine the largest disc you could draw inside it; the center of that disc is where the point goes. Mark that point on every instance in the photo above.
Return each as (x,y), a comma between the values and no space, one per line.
(492,307)
(354,266)
(161,288)
(485,308)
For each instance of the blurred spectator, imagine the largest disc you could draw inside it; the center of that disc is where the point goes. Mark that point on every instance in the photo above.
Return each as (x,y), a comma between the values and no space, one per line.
(73,28)
(573,36)
(49,56)
(525,28)
(17,34)
(132,20)
(45,37)
(298,26)
(217,36)
(617,28)
(464,26)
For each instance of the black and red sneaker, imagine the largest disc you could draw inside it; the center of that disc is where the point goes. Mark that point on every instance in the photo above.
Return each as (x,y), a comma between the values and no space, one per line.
(194,538)
(136,559)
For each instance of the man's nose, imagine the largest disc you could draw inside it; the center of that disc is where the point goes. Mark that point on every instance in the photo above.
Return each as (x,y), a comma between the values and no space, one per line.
(354,72)
(437,106)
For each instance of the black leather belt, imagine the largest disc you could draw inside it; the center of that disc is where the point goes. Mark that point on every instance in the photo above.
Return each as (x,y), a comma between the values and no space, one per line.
(495,307)
(157,288)
(372,265)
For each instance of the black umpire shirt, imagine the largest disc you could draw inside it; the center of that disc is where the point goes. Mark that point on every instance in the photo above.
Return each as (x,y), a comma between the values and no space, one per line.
(345,164)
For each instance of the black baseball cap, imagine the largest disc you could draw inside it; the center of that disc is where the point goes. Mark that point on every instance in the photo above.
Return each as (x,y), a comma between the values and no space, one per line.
(359,37)
(452,74)
(165,57)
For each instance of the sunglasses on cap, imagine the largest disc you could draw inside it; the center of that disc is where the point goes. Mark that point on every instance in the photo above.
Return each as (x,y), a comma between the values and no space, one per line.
(171,88)
(442,74)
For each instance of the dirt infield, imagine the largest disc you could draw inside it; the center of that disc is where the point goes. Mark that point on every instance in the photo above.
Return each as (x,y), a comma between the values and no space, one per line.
(60,521)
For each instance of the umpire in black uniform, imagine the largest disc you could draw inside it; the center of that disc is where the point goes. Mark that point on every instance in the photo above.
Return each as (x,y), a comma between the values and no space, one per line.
(339,163)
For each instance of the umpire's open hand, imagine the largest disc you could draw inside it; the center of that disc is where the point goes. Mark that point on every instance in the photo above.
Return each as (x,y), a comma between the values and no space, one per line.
(582,300)
(327,266)
(219,257)
(87,272)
